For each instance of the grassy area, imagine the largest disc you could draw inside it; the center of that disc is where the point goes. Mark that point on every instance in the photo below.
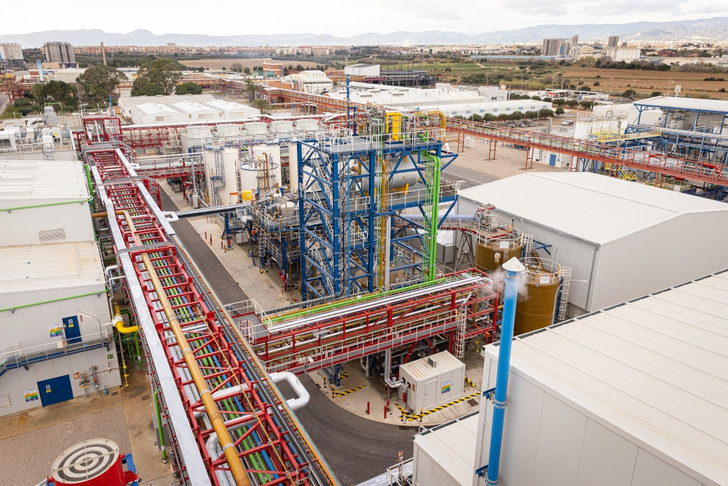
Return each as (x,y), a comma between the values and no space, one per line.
(10,112)
(540,75)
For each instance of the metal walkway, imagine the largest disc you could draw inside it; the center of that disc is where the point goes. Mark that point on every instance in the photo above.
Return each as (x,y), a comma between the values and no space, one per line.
(185,330)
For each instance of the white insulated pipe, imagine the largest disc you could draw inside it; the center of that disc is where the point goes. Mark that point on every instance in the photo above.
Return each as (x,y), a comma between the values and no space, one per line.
(301,400)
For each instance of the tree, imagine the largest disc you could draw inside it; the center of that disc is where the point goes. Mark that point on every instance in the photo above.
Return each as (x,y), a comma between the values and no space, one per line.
(188,88)
(629,94)
(162,71)
(252,89)
(655,93)
(262,104)
(99,82)
(142,87)
(559,111)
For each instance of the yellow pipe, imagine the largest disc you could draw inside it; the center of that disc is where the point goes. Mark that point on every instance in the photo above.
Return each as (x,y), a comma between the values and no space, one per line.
(226,442)
(443,119)
(119,323)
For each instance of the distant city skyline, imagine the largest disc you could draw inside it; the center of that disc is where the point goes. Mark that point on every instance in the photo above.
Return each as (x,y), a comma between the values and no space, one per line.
(343,18)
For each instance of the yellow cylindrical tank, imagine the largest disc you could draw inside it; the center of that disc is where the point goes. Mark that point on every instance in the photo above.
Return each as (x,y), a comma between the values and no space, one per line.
(537,296)
(491,254)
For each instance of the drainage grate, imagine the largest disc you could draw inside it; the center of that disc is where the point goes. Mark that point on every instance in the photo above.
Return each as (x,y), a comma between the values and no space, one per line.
(472,402)
(4,401)
(146,397)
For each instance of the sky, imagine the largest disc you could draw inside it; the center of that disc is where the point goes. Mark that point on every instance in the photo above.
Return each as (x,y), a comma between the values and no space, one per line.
(342,17)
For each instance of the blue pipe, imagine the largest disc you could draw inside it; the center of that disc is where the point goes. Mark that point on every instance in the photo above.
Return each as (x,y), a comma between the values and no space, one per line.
(513,270)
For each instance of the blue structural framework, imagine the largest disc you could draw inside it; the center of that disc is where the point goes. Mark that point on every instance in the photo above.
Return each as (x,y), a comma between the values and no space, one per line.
(344,195)
(690,128)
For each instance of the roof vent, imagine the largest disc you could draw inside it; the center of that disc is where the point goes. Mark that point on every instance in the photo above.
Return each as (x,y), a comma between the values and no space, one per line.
(51,235)
(432,361)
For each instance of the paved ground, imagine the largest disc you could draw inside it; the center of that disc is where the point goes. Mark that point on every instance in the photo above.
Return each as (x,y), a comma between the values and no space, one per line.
(226,288)
(355,448)
(30,441)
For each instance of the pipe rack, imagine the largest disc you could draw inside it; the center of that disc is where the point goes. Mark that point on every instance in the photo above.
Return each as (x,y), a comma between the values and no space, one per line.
(351,329)
(195,350)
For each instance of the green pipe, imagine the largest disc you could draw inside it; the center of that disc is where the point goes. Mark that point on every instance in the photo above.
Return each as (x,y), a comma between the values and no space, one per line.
(136,343)
(90,187)
(61,203)
(352,300)
(60,299)
(159,423)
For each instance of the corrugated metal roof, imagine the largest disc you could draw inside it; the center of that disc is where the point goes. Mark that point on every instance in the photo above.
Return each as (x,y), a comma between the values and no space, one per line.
(589,206)
(452,446)
(654,369)
(717,106)
(192,107)
(35,268)
(24,182)
(421,369)
(151,108)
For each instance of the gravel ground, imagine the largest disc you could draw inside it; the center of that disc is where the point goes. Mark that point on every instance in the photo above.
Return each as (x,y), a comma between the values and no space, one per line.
(26,459)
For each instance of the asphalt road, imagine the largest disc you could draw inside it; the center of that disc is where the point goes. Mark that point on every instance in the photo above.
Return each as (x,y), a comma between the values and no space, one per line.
(355,448)
(226,288)
(469,177)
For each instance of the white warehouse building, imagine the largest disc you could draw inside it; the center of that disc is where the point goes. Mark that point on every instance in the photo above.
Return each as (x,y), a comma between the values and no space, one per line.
(622,239)
(634,395)
(56,341)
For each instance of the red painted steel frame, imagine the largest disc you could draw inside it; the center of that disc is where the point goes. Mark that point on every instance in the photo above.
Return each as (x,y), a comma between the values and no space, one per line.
(351,336)
(218,361)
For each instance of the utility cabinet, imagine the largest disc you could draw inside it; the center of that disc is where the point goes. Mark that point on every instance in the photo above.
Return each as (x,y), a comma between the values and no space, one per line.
(432,381)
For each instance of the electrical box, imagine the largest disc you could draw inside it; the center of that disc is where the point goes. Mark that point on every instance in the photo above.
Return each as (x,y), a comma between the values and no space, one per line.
(432,381)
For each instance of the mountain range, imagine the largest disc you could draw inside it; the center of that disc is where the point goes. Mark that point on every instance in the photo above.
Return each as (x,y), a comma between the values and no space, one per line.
(710,29)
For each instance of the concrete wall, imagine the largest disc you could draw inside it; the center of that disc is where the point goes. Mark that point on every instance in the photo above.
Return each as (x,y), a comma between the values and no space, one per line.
(15,384)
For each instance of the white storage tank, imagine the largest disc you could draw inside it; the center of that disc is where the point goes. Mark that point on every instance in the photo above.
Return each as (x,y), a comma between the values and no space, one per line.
(433,380)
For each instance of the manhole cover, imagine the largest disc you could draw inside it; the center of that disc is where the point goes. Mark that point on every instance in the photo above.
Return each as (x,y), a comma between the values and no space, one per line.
(472,402)
(146,397)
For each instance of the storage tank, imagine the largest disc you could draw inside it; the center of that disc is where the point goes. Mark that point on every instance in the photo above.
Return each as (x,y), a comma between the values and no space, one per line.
(93,462)
(537,295)
(406,175)
(491,254)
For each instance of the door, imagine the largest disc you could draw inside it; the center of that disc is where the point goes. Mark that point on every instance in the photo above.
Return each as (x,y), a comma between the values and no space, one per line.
(430,394)
(552,160)
(73,332)
(55,390)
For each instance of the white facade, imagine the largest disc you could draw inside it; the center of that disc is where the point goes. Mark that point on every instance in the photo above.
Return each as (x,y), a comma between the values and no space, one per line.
(366,70)
(150,110)
(444,455)
(229,110)
(43,202)
(451,101)
(315,82)
(622,239)
(433,380)
(45,292)
(11,52)
(631,396)
(623,53)
(67,75)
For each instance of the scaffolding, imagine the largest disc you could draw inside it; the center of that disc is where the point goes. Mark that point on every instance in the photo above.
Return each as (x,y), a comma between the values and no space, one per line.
(346,195)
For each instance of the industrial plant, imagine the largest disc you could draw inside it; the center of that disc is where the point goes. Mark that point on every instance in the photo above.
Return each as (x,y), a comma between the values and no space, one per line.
(325,288)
